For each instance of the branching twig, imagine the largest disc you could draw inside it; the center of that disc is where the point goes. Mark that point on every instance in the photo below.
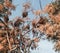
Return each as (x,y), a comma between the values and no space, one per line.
(28,31)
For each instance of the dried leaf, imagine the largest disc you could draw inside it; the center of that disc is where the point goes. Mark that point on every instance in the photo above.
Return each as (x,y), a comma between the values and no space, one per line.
(1,7)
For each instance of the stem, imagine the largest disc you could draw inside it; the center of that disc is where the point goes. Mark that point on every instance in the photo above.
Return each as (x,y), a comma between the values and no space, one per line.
(28,31)
(9,42)
(19,51)
(40,4)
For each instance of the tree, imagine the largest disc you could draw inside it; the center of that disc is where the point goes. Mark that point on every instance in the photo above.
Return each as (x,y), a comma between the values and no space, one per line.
(52,27)
(13,35)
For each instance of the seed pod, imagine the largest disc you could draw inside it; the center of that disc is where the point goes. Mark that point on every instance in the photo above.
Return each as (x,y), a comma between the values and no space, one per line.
(18,22)
(6,19)
(41,21)
(25,14)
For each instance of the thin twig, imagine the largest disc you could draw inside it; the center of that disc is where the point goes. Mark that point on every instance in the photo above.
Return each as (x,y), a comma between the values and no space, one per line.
(4,23)
(8,41)
(28,31)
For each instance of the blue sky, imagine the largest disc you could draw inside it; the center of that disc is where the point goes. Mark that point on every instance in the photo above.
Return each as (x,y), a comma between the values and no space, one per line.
(34,4)
(44,45)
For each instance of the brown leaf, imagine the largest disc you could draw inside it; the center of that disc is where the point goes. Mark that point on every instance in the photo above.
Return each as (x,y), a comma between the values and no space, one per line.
(1,47)
(1,7)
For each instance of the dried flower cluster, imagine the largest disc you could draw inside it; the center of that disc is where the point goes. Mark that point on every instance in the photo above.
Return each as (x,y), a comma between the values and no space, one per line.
(13,35)
(52,28)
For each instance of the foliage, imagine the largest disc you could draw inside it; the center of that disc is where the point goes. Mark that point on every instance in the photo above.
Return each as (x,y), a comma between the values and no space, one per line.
(15,36)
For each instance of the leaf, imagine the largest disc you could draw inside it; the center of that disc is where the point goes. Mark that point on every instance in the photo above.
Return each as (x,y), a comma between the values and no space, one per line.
(18,22)
(2,25)
(36,39)
(37,12)
(6,18)
(1,47)
(26,5)
(1,7)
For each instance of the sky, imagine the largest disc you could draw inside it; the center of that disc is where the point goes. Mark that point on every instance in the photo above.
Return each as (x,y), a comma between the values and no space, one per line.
(44,45)
(34,4)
